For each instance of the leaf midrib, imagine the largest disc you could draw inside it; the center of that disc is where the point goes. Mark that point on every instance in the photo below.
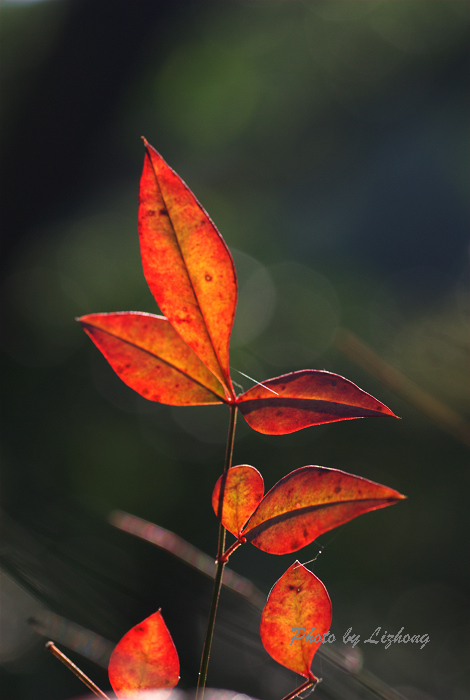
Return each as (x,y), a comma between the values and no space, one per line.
(286,515)
(187,271)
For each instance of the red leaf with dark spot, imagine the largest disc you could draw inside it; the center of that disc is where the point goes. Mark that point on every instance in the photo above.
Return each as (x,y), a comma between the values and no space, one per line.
(305,398)
(299,600)
(187,265)
(149,356)
(144,659)
(191,274)
(310,501)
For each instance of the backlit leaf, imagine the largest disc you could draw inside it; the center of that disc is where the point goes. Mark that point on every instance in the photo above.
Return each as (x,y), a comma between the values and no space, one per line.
(150,357)
(187,265)
(243,489)
(310,501)
(144,659)
(305,398)
(299,600)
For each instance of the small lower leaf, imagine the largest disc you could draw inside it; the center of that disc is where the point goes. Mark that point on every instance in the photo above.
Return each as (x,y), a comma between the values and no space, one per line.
(144,659)
(299,600)
(243,490)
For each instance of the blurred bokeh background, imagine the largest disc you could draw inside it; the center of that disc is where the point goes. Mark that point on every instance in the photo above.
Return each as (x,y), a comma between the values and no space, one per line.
(329,143)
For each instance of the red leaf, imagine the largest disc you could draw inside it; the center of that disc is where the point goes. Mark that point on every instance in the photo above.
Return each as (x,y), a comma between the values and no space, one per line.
(243,490)
(298,600)
(305,398)
(150,357)
(310,501)
(144,659)
(187,265)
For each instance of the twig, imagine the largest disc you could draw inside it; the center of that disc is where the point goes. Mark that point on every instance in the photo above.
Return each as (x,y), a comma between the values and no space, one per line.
(71,666)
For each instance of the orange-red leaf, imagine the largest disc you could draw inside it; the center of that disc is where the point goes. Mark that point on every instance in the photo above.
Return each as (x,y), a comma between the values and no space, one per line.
(187,265)
(298,600)
(243,489)
(144,659)
(305,398)
(150,357)
(310,501)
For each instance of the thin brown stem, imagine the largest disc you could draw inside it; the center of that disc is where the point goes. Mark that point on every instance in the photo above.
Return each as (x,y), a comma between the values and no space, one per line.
(220,564)
(71,666)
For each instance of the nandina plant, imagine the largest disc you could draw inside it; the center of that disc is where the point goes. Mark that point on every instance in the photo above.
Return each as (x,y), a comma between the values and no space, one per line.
(182,359)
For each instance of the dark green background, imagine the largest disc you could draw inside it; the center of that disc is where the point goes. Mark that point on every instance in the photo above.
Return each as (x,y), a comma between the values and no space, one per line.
(328,141)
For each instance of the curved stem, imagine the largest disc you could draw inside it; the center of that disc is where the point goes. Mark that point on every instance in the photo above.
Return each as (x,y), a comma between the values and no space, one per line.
(308,684)
(220,564)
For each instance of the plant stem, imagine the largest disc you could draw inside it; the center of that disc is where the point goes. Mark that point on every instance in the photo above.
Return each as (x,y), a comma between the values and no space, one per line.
(220,564)
(301,688)
(71,666)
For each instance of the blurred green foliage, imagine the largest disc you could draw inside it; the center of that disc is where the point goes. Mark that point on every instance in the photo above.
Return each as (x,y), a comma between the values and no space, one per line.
(328,142)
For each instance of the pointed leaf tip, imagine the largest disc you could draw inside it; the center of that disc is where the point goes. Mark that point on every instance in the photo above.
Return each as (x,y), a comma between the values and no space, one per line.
(144,659)
(295,619)
(304,398)
(187,265)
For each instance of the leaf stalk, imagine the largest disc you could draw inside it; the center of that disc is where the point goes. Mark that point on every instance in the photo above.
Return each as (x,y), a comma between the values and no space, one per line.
(308,684)
(225,556)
